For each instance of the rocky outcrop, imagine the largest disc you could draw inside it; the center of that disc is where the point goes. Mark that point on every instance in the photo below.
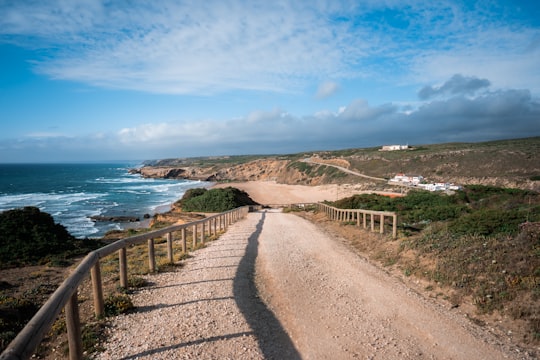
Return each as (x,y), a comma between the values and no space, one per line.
(254,170)
(160,172)
(115,218)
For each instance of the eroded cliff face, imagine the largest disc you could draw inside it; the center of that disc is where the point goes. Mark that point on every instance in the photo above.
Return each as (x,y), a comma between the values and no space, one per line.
(276,170)
(254,170)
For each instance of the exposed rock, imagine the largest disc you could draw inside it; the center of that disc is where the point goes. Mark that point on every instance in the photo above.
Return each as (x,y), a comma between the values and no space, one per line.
(114,218)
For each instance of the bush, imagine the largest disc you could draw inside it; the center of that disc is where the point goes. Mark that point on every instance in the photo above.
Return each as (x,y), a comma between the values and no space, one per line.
(28,235)
(215,200)
(488,222)
(478,210)
(116,304)
(14,314)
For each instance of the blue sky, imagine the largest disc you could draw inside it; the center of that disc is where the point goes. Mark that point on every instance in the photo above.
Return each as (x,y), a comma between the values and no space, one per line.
(89,80)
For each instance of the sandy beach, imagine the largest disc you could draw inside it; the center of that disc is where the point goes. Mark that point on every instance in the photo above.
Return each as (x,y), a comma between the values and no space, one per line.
(269,192)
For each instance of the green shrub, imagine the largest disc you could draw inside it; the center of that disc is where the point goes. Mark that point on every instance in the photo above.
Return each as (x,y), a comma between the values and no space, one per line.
(193,193)
(116,304)
(478,210)
(14,314)
(488,222)
(215,200)
(29,237)
(92,334)
(137,282)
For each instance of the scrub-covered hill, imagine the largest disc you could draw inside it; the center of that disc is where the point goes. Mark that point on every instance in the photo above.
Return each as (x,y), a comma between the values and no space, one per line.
(505,163)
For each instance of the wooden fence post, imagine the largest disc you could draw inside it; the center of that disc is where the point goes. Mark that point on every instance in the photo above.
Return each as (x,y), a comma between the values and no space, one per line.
(364,219)
(97,290)
(194,235)
(202,231)
(122,261)
(170,256)
(73,324)
(184,245)
(151,256)
(394,226)
(381,230)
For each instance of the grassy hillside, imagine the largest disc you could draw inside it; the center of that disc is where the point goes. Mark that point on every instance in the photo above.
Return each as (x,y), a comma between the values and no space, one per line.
(505,163)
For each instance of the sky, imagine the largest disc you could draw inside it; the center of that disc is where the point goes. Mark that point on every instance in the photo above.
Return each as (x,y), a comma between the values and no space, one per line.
(91,80)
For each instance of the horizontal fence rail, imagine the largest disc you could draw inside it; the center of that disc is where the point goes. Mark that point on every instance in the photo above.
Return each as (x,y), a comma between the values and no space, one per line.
(65,296)
(360,216)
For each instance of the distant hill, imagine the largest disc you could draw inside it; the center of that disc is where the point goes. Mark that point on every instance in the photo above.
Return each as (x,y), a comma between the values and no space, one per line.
(506,163)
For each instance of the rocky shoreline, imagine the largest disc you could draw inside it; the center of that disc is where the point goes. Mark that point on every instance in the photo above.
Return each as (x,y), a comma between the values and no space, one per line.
(122,218)
(188,173)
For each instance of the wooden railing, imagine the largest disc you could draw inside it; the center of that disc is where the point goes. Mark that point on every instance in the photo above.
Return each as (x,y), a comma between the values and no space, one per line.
(65,297)
(360,217)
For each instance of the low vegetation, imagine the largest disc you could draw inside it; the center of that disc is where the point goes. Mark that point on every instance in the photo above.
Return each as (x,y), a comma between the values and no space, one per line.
(482,243)
(29,237)
(214,200)
(329,173)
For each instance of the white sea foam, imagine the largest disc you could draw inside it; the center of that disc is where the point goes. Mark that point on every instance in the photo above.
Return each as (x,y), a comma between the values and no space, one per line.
(128,194)
(122,180)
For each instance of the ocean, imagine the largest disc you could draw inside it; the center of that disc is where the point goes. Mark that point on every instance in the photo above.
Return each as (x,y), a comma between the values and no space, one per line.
(72,193)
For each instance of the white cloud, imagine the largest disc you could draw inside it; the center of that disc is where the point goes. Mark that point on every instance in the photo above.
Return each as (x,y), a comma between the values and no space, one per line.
(327,89)
(206,47)
(184,47)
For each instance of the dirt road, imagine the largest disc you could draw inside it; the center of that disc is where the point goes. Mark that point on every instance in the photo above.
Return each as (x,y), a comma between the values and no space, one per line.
(276,287)
(336,305)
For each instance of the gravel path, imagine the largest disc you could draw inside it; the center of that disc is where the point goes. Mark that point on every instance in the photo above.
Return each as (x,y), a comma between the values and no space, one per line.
(276,287)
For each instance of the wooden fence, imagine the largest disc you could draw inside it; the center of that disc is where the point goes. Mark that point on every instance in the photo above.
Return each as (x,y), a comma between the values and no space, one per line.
(65,297)
(360,216)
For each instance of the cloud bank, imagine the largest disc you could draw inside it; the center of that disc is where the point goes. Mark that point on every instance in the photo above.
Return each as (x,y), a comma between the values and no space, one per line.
(489,115)
(457,85)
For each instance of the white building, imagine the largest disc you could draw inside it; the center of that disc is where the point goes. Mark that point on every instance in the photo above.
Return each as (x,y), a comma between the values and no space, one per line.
(419,181)
(439,187)
(408,179)
(394,147)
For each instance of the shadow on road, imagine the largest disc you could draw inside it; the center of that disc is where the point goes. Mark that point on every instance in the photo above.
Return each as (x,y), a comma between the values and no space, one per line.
(272,338)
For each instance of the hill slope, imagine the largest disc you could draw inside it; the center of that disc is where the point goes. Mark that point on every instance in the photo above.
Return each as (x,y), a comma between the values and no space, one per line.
(506,163)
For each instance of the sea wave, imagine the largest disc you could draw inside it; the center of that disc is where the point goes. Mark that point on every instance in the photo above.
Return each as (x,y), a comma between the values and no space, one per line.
(121,180)
(73,199)
(37,199)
